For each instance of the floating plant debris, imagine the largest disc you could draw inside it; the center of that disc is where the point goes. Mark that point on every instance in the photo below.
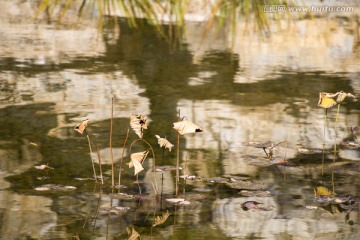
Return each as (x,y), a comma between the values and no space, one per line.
(120,210)
(175,200)
(123,196)
(186,126)
(163,142)
(161,219)
(54,187)
(43,167)
(138,123)
(348,200)
(250,205)
(81,127)
(84,179)
(187,177)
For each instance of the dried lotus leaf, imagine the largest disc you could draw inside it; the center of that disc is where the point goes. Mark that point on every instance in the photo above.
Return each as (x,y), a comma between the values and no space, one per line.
(163,142)
(82,126)
(186,126)
(138,123)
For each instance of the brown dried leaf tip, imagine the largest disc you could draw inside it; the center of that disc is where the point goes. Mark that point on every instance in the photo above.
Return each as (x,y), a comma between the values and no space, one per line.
(81,127)
(163,142)
(186,126)
(138,123)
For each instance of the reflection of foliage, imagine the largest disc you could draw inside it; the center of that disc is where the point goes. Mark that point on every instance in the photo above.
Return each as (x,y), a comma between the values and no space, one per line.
(158,11)
(161,219)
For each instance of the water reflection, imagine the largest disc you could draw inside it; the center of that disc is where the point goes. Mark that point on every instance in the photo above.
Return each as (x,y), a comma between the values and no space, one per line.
(43,98)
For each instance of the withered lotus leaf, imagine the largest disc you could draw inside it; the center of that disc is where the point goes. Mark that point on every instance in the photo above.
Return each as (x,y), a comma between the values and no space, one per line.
(138,123)
(322,191)
(136,161)
(82,126)
(186,126)
(163,142)
(325,100)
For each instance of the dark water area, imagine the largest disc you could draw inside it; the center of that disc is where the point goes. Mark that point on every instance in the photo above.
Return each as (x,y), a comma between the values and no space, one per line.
(44,95)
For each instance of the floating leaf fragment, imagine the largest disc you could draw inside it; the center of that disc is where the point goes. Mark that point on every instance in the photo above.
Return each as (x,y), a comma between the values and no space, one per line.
(186,126)
(54,187)
(133,234)
(175,200)
(81,127)
(123,196)
(250,205)
(136,161)
(163,142)
(43,167)
(138,123)
(187,177)
(161,219)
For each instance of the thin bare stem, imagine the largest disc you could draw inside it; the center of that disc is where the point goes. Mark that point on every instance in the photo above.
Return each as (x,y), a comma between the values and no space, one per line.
(177,161)
(99,158)
(111,152)
(185,175)
(334,159)
(323,149)
(122,158)
(91,153)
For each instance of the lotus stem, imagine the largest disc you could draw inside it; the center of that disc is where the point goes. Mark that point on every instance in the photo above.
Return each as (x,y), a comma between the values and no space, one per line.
(177,164)
(334,159)
(99,158)
(185,176)
(323,149)
(111,152)
(92,162)
(177,161)
(122,158)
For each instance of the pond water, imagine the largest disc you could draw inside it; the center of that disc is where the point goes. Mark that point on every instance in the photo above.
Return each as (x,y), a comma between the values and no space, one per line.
(51,79)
